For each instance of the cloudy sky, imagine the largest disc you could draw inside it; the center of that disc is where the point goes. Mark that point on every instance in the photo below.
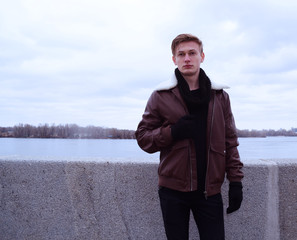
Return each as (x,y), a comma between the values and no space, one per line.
(96,62)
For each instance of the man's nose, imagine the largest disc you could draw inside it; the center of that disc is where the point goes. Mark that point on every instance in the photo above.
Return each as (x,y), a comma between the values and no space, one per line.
(187,58)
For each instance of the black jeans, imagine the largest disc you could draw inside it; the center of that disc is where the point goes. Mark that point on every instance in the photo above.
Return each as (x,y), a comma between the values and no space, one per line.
(208,214)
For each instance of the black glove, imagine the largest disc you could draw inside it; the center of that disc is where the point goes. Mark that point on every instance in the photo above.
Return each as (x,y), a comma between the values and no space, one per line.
(184,128)
(235,196)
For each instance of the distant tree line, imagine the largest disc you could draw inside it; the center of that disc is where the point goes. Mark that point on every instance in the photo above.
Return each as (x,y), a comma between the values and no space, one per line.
(267,133)
(92,132)
(64,131)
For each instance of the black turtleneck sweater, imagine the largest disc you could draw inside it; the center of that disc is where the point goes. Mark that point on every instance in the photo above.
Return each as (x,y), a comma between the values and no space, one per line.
(200,111)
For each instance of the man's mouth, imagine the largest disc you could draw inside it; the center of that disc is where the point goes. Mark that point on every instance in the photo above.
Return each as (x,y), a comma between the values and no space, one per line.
(187,66)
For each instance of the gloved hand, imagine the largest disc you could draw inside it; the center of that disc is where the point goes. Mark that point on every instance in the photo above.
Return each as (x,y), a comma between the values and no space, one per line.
(235,196)
(185,127)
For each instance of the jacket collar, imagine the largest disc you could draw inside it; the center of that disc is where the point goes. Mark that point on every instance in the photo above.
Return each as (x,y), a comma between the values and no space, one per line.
(172,82)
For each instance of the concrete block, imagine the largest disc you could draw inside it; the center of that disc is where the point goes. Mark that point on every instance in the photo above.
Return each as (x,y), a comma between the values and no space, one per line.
(257,217)
(288,199)
(35,201)
(100,199)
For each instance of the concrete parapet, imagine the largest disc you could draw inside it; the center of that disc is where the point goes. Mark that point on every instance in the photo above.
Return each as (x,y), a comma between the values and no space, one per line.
(111,200)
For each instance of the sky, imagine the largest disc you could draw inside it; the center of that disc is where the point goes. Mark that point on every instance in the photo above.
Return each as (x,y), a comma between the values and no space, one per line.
(96,62)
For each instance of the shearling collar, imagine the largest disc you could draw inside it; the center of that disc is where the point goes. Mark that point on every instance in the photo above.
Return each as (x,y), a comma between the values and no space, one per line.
(172,82)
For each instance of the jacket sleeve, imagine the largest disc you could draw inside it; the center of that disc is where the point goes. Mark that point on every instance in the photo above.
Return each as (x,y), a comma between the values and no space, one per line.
(152,133)
(233,163)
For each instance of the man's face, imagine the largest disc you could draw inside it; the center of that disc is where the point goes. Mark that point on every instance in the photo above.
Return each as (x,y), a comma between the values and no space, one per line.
(188,58)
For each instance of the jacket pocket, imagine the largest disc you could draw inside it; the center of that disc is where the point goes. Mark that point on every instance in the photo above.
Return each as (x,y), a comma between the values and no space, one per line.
(217,163)
(218,148)
(174,160)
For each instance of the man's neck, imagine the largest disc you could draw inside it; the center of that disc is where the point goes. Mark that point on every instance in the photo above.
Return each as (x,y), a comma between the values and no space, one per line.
(193,81)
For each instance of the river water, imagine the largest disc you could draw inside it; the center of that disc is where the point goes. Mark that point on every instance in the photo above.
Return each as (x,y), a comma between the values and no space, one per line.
(124,150)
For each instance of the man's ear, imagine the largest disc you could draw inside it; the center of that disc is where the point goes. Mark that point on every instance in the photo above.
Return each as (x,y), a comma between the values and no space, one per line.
(202,56)
(174,60)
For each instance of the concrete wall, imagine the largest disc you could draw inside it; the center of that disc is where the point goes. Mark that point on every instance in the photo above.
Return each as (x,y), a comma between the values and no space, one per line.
(102,200)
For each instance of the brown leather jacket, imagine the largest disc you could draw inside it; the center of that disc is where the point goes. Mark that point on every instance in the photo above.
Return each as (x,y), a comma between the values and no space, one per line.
(177,169)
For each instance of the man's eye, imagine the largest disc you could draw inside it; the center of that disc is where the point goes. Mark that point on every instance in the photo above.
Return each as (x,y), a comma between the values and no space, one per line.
(181,54)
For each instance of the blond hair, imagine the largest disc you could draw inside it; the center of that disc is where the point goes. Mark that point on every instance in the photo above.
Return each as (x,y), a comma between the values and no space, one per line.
(185,37)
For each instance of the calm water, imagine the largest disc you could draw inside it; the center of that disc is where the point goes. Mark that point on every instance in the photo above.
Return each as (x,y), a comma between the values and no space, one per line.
(20,148)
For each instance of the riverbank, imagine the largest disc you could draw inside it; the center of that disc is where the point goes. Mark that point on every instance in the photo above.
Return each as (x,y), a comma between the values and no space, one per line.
(73,131)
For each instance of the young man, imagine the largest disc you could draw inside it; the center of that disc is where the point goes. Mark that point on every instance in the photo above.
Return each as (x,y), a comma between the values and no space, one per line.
(189,120)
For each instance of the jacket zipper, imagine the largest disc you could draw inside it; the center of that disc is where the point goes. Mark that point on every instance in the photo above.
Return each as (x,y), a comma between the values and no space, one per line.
(212,114)
(191,169)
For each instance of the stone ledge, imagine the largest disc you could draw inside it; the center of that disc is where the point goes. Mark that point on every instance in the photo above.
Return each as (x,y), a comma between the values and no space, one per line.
(106,199)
